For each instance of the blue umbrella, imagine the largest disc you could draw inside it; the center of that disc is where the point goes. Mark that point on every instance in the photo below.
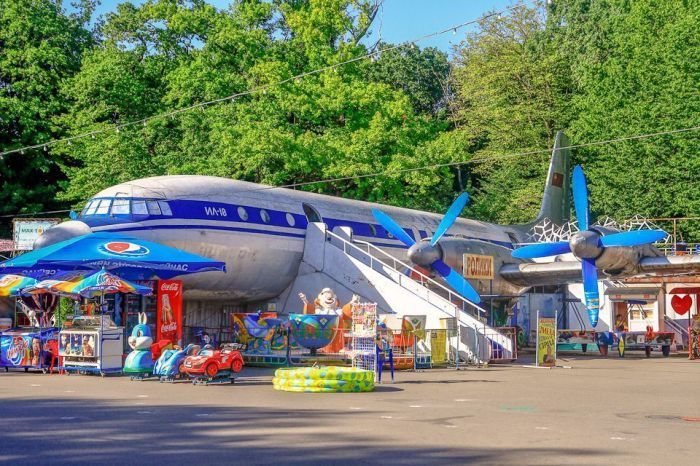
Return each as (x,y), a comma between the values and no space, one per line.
(125,256)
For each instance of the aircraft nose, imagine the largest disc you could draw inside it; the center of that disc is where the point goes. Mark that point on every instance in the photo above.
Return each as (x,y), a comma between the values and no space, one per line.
(62,232)
(584,244)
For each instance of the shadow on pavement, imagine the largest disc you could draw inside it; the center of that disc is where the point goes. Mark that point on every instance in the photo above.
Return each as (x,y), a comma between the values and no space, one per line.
(72,431)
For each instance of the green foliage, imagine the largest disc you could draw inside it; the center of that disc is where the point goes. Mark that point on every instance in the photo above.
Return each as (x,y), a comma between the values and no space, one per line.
(634,69)
(595,69)
(40,47)
(340,123)
(506,102)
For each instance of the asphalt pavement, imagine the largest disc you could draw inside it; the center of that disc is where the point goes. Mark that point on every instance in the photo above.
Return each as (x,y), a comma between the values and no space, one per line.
(595,411)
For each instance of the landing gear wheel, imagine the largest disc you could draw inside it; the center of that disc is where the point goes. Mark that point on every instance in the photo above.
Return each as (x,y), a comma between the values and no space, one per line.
(211,370)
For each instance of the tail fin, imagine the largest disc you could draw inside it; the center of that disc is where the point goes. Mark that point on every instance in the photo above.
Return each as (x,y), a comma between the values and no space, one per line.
(556,202)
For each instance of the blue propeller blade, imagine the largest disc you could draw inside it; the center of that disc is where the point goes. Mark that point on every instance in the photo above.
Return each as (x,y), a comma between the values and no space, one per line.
(392,227)
(633,238)
(450,216)
(541,250)
(456,281)
(580,197)
(590,289)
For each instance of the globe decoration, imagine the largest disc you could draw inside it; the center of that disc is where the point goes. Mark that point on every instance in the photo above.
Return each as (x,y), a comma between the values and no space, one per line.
(313,331)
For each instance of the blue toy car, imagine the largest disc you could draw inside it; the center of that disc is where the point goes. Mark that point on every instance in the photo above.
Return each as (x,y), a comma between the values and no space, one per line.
(169,363)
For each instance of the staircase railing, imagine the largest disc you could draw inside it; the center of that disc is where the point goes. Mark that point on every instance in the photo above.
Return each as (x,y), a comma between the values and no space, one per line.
(678,328)
(391,262)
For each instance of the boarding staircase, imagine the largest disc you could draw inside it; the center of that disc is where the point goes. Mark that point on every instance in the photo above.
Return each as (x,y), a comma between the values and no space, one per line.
(377,276)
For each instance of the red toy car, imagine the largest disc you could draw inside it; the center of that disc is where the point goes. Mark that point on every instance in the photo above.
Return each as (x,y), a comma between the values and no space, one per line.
(212,362)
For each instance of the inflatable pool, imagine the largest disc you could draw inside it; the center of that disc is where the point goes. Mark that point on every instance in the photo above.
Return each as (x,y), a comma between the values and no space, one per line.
(323,379)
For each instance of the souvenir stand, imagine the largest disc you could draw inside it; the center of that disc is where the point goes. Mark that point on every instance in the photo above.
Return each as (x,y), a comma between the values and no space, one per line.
(26,345)
(91,344)
(364,336)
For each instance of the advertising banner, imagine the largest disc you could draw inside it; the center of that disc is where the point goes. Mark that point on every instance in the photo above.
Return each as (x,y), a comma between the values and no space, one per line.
(26,231)
(169,311)
(546,342)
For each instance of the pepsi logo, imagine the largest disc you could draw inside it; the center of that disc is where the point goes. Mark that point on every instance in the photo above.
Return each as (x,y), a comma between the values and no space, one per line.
(123,248)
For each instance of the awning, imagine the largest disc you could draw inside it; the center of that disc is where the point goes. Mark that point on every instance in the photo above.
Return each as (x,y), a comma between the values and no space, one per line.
(680,290)
(625,294)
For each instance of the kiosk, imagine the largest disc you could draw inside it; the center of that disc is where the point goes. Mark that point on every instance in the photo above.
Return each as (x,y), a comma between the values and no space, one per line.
(91,344)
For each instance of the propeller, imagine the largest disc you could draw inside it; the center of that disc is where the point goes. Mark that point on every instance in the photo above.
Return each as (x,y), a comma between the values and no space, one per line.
(588,244)
(429,254)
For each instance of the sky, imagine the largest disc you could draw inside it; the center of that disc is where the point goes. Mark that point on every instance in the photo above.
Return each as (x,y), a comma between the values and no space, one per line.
(403,20)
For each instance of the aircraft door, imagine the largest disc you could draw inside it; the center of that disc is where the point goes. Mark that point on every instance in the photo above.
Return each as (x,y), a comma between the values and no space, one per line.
(312,215)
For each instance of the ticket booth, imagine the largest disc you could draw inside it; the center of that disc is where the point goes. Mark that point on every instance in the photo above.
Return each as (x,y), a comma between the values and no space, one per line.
(637,307)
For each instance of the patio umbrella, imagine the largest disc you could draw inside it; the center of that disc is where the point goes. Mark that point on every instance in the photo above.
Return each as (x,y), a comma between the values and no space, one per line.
(98,283)
(44,287)
(128,257)
(10,285)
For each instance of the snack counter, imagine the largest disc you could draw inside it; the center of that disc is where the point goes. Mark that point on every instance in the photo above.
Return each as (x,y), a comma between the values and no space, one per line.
(91,344)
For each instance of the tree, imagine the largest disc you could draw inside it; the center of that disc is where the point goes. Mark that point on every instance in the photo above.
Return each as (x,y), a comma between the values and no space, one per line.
(635,71)
(506,101)
(40,47)
(422,74)
(338,123)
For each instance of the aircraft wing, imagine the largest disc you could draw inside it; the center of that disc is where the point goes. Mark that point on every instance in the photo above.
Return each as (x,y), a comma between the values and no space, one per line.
(564,272)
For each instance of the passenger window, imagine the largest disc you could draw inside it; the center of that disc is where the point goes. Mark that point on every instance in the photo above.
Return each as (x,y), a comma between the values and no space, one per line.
(153,208)
(165,208)
(139,208)
(290,220)
(372,230)
(120,207)
(103,208)
(264,216)
(243,214)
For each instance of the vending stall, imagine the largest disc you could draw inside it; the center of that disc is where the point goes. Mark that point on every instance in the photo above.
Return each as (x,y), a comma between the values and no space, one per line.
(91,344)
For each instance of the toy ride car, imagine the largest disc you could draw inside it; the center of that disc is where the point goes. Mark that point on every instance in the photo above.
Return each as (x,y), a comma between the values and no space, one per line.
(170,364)
(214,363)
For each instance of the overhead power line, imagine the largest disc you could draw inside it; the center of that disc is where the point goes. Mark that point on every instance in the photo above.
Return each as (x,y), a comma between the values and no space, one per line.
(485,158)
(263,88)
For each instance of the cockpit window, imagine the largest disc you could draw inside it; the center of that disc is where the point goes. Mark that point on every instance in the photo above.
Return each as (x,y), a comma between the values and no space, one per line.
(153,207)
(120,207)
(165,208)
(139,208)
(103,207)
(125,206)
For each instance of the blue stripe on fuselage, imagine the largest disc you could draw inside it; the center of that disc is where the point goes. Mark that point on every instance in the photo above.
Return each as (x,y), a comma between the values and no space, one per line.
(193,210)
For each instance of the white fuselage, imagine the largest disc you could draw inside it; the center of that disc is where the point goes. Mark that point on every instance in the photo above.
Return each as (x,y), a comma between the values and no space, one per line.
(257,230)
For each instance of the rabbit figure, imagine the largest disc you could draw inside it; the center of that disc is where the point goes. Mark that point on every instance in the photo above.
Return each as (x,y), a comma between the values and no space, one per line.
(140,361)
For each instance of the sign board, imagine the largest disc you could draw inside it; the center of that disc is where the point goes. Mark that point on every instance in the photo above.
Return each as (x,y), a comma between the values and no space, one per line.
(477,266)
(546,342)
(169,311)
(26,231)
(438,346)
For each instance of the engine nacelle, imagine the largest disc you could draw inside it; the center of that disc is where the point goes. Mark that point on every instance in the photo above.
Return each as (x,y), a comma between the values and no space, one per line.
(453,250)
(616,260)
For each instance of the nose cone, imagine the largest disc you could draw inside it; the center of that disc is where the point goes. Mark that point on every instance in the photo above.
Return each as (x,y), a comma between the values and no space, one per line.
(584,244)
(62,232)
(424,253)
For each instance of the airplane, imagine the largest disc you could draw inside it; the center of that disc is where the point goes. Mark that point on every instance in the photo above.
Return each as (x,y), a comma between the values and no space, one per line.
(259,232)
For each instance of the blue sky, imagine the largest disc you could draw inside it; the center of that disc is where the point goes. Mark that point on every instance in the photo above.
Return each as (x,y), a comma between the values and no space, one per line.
(403,20)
